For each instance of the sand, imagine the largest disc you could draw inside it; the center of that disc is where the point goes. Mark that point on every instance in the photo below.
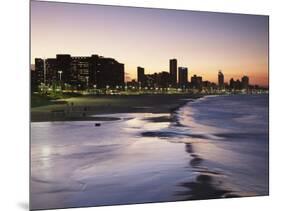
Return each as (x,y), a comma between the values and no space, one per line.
(83,108)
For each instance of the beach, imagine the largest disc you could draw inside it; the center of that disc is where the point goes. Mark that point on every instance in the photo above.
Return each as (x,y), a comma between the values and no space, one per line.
(150,149)
(83,108)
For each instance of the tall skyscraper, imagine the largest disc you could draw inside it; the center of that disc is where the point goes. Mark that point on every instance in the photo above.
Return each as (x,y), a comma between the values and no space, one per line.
(141,76)
(173,72)
(231,83)
(238,84)
(183,77)
(220,80)
(245,82)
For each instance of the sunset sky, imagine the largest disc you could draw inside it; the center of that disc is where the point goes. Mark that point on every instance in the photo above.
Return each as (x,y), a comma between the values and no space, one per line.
(202,41)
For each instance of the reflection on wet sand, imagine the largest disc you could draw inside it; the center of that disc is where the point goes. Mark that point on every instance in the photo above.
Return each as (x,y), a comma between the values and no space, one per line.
(203,188)
(207,183)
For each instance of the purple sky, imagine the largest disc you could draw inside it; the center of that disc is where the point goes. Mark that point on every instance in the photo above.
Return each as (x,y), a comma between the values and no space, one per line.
(204,42)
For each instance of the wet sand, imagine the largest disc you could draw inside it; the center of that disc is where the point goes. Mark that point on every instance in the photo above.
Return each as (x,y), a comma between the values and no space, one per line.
(75,164)
(207,184)
(156,157)
(83,108)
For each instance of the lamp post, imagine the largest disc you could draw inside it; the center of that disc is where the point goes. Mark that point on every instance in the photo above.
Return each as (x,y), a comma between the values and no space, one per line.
(139,86)
(60,73)
(95,88)
(126,86)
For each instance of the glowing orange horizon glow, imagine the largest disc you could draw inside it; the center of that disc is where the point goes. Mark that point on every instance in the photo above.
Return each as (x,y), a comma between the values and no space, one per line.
(203,42)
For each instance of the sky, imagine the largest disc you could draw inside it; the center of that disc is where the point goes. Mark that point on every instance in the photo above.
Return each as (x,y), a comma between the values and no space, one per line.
(204,42)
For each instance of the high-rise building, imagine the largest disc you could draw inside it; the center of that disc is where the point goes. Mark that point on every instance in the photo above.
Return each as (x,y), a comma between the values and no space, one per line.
(63,65)
(220,80)
(183,77)
(93,70)
(106,72)
(163,79)
(80,72)
(231,83)
(33,81)
(39,71)
(141,75)
(236,85)
(245,82)
(173,72)
(196,82)
(51,71)
(151,80)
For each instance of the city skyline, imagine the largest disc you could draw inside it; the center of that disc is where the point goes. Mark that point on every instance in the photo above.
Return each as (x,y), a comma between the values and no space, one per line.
(150,37)
(98,72)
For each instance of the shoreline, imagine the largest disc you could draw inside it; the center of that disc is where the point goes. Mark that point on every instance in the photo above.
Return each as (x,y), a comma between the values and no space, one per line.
(84,108)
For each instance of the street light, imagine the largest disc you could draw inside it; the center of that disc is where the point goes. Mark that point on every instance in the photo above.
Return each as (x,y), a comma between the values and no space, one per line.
(126,86)
(107,88)
(60,72)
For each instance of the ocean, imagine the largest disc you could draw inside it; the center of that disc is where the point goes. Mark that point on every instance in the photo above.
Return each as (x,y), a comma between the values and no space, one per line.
(212,147)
